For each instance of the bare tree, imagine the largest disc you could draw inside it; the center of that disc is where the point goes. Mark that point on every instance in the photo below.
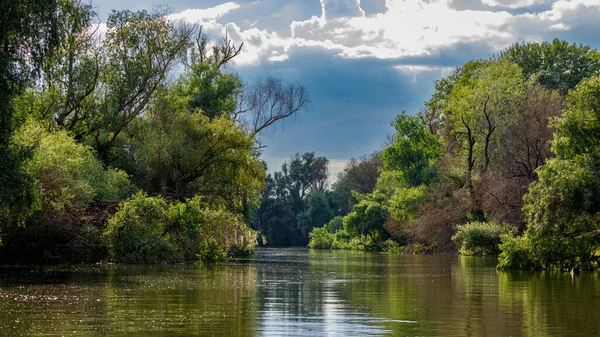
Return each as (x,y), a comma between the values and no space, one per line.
(267,102)
(219,54)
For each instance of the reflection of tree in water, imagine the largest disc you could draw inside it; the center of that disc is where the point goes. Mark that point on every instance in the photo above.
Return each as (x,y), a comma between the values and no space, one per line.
(553,303)
(132,300)
(186,300)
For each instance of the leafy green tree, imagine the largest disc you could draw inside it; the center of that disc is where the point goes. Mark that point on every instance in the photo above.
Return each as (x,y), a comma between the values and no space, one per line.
(481,107)
(556,65)
(31,25)
(185,154)
(140,50)
(562,209)
(284,204)
(368,217)
(414,151)
(359,175)
(318,213)
(73,190)
(481,238)
(335,224)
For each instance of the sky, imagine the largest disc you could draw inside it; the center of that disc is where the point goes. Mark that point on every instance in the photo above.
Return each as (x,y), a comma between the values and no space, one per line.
(365,61)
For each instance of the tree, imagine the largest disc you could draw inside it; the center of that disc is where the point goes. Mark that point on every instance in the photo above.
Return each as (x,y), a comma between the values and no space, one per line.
(359,175)
(258,106)
(29,34)
(523,146)
(317,214)
(414,151)
(562,209)
(140,50)
(480,108)
(183,154)
(287,195)
(368,217)
(556,65)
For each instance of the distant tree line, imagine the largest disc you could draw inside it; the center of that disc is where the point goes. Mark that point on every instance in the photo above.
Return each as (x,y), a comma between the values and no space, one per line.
(504,159)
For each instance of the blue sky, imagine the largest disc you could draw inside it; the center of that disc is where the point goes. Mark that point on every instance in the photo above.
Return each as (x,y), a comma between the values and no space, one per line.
(364,61)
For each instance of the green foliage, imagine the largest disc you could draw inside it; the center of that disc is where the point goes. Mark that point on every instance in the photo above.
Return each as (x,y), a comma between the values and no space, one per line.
(148,230)
(211,252)
(335,224)
(577,131)
(321,238)
(294,202)
(67,174)
(210,90)
(317,215)
(35,26)
(404,204)
(140,49)
(562,209)
(391,246)
(368,217)
(555,65)
(481,238)
(184,154)
(517,253)
(414,151)
(136,233)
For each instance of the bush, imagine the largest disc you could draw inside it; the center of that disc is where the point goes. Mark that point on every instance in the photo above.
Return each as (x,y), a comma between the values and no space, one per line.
(321,238)
(211,252)
(136,233)
(517,253)
(68,175)
(183,227)
(148,230)
(392,246)
(71,188)
(481,238)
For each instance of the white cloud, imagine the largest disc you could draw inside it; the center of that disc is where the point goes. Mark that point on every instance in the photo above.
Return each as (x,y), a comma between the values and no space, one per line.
(512,3)
(407,28)
(205,15)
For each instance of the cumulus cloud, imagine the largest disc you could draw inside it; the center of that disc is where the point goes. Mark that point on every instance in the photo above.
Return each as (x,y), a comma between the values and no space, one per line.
(384,52)
(197,15)
(512,3)
(403,29)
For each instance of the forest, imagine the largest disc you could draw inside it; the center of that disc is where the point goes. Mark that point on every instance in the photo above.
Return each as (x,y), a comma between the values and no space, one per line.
(138,143)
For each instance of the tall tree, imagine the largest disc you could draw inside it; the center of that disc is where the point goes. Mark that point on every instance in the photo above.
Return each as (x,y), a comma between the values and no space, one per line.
(556,65)
(563,208)
(29,34)
(480,108)
(287,194)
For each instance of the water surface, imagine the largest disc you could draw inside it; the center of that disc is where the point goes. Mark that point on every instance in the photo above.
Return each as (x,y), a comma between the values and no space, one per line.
(297,292)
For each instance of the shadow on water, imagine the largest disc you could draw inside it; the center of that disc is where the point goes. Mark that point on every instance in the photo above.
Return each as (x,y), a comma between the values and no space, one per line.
(297,292)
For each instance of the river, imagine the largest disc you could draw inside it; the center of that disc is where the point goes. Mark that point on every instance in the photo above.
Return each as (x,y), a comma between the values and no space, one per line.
(297,292)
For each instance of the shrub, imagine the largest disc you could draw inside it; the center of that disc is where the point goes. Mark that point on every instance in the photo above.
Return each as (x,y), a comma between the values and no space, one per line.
(481,238)
(392,246)
(184,223)
(321,238)
(68,175)
(70,187)
(136,233)
(148,230)
(517,253)
(211,252)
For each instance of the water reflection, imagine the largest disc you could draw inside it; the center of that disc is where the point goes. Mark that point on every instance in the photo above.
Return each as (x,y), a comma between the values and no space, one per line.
(294,292)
